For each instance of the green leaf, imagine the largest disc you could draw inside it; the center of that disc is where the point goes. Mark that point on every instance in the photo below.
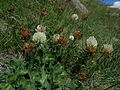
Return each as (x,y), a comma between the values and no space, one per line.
(12,78)
(13,64)
(59,88)
(44,76)
(23,71)
(16,63)
(49,57)
(35,75)
(9,87)
(2,85)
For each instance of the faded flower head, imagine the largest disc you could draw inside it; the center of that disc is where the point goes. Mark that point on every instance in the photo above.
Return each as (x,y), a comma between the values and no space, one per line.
(91,41)
(85,17)
(60,39)
(28,48)
(39,37)
(63,40)
(107,49)
(25,34)
(91,46)
(71,37)
(77,34)
(91,50)
(40,28)
(56,37)
(83,76)
(43,12)
(75,17)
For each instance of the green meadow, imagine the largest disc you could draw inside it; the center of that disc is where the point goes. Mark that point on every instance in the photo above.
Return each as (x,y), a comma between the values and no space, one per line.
(57,66)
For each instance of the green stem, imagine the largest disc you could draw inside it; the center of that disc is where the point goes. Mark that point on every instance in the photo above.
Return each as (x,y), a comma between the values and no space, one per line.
(111,86)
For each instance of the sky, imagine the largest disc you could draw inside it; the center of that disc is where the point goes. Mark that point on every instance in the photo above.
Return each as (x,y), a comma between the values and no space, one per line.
(108,2)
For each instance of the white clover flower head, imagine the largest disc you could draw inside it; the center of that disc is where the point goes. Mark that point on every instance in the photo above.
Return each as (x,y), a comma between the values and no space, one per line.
(40,28)
(108,48)
(91,41)
(75,16)
(56,37)
(71,37)
(39,37)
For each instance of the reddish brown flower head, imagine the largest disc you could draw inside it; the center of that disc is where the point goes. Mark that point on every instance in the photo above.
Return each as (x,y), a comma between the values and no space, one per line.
(56,38)
(77,34)
(63,40)
(85,17)
(25,34)
(28,48)
(91,50)
(82,76)
(106,52)
(43,12)
(11,9)
(107,49)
